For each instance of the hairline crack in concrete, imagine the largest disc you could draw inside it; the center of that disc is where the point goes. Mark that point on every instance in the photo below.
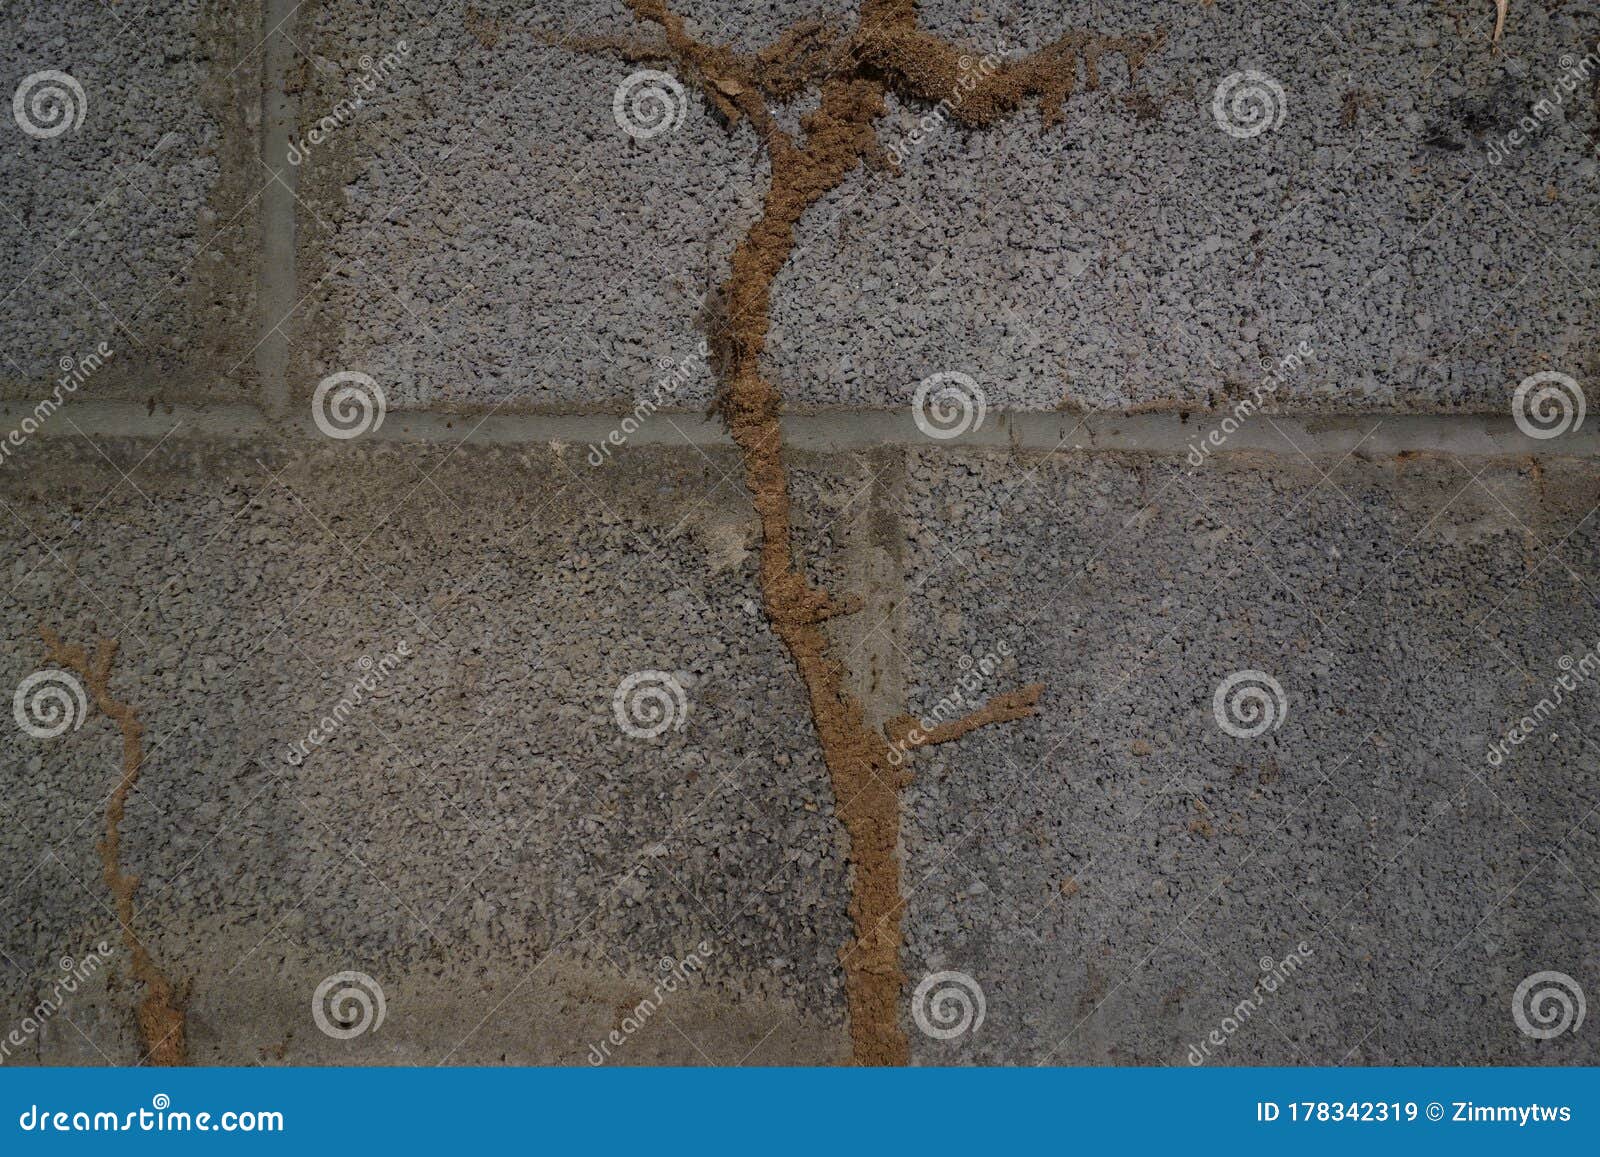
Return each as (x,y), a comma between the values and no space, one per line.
(887,52)
(160,1015)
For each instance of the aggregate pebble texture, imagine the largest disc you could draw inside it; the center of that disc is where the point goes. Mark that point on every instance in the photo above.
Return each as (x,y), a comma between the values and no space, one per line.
(137,228)
(1115,877)
(481,816)
(479,835)
(488,235)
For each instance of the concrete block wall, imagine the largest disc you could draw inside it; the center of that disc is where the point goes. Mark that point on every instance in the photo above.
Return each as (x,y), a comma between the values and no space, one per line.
(259,195)
(139,228)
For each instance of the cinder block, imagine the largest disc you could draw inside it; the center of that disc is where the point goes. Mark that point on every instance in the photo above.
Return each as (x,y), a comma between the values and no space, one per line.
(485,233)
(1141,256)
(476,832)
(132,182)
(1114,872)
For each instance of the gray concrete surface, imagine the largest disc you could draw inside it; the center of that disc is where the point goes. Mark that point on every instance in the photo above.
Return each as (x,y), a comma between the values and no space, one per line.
(137,228)
(1411,612)
(1133,260)
(483,840)
(489,234)
(486,815)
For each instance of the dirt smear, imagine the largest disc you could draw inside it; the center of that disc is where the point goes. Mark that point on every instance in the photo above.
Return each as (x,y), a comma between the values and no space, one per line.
(852,71)
(160,1015)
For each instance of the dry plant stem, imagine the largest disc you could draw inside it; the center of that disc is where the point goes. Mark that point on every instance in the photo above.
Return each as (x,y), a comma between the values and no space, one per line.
(1501,8)
(853,74)
(161,1020)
